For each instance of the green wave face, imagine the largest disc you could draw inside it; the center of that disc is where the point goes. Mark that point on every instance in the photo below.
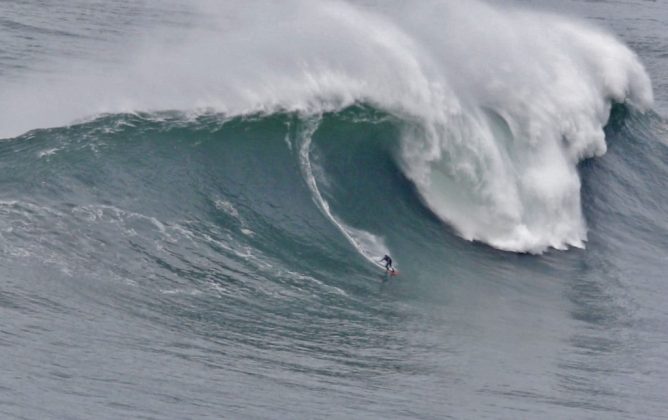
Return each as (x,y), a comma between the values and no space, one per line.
(128,185)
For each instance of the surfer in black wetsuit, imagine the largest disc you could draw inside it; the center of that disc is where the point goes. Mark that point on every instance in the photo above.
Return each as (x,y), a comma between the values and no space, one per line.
(388,263)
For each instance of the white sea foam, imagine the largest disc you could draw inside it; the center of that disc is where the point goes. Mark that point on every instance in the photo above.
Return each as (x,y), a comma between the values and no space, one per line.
(232,211)
(500,104)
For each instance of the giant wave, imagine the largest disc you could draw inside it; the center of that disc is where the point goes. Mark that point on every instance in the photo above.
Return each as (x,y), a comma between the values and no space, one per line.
(497,105)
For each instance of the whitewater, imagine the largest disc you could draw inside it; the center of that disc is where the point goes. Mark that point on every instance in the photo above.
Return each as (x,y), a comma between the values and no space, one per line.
(195,196)
(497,120)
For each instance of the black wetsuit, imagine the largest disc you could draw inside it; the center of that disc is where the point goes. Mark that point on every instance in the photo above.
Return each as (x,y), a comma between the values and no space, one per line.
(388,263)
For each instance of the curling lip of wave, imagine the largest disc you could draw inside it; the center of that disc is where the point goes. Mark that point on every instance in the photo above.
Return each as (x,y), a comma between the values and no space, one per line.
(495,120)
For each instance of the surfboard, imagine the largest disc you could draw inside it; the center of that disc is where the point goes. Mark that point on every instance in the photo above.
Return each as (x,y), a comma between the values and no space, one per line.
(388,273)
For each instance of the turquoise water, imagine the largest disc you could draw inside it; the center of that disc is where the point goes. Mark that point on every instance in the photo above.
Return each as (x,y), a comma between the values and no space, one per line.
(194,195)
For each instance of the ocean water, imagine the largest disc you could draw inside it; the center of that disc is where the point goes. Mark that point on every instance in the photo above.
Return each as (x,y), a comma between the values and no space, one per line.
(194,196)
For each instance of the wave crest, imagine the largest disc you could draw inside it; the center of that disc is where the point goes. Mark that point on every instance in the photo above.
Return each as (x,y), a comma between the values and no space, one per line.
(499,104)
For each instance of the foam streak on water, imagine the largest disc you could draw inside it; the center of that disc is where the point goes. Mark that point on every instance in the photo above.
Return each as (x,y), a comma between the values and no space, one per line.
(370,246)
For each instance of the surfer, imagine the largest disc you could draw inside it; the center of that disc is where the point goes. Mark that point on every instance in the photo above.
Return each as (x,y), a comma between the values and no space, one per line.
(388,263)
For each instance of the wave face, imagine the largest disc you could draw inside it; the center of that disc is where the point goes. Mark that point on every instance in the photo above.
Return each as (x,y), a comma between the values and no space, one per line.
(494,123)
